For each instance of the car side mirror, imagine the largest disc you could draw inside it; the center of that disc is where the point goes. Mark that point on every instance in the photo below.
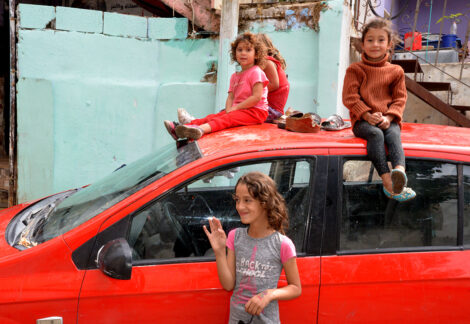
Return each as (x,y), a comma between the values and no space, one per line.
(114,259)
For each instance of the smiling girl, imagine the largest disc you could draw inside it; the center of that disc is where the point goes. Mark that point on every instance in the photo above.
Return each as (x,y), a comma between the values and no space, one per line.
(374,91)
(246,102)
(257,254)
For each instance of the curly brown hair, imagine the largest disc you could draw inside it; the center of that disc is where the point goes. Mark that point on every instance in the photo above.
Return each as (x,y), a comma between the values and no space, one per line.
(271,50)
(260,49)
(262,188)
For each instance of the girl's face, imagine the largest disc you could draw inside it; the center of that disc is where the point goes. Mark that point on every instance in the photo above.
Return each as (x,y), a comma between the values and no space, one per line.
(245,55)
(376,44)
(250,209)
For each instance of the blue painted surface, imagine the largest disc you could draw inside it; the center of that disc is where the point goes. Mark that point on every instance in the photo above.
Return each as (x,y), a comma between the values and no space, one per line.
(124,25)
(35,16)
(167,28)
(329,43)
(82,20)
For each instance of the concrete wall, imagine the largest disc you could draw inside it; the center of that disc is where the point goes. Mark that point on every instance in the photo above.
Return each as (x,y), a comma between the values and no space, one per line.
(94,88)
(417,111)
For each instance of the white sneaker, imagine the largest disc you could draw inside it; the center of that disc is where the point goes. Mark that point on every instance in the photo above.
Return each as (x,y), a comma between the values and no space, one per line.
(184,117)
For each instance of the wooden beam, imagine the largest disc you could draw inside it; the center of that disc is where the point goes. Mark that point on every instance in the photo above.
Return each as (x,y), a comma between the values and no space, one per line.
(409,66)
(436,86)
(436,103)
(12,139)
(463,109)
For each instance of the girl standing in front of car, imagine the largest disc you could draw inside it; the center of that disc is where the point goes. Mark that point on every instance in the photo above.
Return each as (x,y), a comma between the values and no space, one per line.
(374,91)
(256,255)
(246,102)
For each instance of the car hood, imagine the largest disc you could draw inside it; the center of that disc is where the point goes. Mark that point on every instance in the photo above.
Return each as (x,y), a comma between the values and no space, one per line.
(5,217)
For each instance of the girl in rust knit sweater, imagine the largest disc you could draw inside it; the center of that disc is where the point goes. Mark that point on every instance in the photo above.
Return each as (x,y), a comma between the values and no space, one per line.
(374,91)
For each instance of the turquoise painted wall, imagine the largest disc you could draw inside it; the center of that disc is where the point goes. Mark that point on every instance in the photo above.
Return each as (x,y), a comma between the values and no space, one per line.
(94,88)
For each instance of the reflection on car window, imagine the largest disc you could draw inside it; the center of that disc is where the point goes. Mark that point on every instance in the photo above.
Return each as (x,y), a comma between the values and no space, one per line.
(103,194)
(466,206)
(171,226)
(372,221)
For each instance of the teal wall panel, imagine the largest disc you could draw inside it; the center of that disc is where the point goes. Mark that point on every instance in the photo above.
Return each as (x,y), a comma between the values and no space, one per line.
(124,25)
(35,16)
(329,40)
(82,20)
(167,28)
(35,138)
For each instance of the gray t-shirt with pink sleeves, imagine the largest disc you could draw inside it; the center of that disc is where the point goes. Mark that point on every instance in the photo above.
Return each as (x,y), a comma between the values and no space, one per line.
(258,265)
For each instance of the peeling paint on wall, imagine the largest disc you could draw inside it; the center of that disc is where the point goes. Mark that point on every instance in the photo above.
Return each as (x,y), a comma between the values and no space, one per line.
(283,16)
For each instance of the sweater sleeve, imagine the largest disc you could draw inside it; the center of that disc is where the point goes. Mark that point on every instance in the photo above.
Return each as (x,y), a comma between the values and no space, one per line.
(399,96)
(351,97)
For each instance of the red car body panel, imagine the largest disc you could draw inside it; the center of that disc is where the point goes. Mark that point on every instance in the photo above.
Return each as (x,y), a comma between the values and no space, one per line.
(43,280)
(424,287)
(39,282)
(186,291)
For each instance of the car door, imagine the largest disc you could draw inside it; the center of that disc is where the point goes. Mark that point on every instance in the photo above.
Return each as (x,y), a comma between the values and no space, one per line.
(174,276)
(396,262)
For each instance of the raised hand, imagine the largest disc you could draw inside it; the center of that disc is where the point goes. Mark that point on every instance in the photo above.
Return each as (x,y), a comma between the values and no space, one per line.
(216,236)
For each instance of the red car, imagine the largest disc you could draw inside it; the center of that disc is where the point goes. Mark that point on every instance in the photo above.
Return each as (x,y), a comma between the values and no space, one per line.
(130,248)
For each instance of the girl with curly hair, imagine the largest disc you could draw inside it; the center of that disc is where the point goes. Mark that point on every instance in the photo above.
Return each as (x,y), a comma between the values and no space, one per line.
(246,102)
(256,254)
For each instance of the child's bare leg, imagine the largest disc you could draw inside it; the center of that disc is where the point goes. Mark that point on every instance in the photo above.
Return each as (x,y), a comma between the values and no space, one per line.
(206,128)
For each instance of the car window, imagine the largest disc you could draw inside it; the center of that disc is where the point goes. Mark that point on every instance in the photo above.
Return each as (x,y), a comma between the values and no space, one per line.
(466,206)
(369,220)
(170,227)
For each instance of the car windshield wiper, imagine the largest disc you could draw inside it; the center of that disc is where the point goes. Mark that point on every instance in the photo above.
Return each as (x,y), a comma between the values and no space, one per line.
(20,231)
(26,239)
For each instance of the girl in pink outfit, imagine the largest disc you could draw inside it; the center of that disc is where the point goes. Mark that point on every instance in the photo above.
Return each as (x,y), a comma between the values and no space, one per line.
(247,96)
(278,87)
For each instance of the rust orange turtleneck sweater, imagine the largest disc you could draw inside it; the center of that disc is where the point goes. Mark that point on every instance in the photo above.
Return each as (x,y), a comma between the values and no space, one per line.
(374,86)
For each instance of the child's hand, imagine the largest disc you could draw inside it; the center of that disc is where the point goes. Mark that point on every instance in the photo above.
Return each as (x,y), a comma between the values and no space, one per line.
(216,236)
(384,123)
(257,303)
(229,109)
(373,119)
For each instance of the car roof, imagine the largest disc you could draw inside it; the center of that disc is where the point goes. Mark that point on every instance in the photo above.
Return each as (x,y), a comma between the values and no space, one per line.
(269,137)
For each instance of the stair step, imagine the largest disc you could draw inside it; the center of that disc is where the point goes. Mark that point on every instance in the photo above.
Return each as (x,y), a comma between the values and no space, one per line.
(461,108)
(438,104)
(409,65)
(436,86)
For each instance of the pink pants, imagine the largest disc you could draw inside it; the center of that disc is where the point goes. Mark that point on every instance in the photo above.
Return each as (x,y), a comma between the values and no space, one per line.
(241,117)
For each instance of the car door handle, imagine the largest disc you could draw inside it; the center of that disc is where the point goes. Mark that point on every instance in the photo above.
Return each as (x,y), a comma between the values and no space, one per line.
(50,320)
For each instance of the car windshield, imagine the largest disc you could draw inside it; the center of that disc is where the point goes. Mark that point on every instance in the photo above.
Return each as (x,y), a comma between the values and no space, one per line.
(101,195)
